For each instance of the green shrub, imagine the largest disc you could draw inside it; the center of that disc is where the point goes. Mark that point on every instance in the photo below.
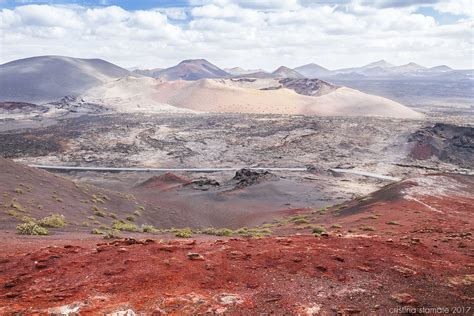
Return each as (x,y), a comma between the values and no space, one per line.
(183,233)
(224,232)
(54,221)
(12,213)
(111,234)
(149,229)
(318,230)
(100,213)
(31,228)
(217,232)
(97,231)
(18,190)
(122,226)
(253,232)
(299,219)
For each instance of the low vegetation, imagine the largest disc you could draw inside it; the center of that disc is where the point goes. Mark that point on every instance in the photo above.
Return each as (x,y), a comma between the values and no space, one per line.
(53,221)
(106,233)
(183,232)
(149,229)
(31,228)
(367,228)
(217,232)
(318,230)
(124,226)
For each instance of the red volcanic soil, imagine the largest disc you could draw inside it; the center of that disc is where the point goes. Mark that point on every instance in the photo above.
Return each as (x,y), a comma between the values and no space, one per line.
(299,274)
(405,248)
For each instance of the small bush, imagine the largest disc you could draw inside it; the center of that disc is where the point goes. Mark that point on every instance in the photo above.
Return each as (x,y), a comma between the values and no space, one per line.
(130,218)
(12,213)
(97,231)
(216,232)
(373,217)
(318,230)
(336,226)
(299,219)
(393,223)
(18,190)
(86,224)
(111,234)
(122,226)
(17,206)
(367,228)
(253,232)
(100,213)
(113,215)
(149,229)
(224,232)
(137,213)
(54,221)
(31,228)
(183,233)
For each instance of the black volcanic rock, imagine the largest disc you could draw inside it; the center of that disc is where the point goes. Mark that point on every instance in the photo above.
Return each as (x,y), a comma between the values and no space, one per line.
(449,143)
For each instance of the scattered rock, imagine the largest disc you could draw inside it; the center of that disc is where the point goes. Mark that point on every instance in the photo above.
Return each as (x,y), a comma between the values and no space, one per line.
(71,309)
(229,299)
(236,255)
(122,250)
(40,265)
(10,284)
(168,248)
(273,298)
(127,312)
(195,256)
(462,280)
(404,299)
(404,270)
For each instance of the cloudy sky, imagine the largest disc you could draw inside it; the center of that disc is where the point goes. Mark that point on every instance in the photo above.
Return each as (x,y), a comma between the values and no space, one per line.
(248,33)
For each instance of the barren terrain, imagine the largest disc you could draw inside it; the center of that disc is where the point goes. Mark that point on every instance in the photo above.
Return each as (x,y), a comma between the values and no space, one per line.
(314,242)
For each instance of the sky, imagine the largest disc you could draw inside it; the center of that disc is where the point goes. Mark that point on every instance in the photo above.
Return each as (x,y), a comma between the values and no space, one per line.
(247,33)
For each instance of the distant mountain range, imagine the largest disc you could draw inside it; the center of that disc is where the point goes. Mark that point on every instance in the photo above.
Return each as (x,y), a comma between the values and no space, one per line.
(196,69)
(384,70)
(49,78)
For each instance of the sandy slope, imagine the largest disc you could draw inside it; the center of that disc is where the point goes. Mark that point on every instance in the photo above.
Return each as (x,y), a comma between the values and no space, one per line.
(227,95)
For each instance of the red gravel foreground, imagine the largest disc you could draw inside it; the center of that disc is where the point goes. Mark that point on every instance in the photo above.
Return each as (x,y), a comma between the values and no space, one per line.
(295,275)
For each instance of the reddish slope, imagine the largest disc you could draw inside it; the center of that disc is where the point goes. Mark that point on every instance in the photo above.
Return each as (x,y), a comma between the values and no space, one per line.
(426,262)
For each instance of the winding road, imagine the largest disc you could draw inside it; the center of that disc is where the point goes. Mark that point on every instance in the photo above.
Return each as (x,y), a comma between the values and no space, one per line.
(207,170)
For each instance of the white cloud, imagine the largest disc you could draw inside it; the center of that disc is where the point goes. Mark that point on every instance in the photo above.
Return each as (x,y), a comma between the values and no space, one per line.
(246,33)
(457,7)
